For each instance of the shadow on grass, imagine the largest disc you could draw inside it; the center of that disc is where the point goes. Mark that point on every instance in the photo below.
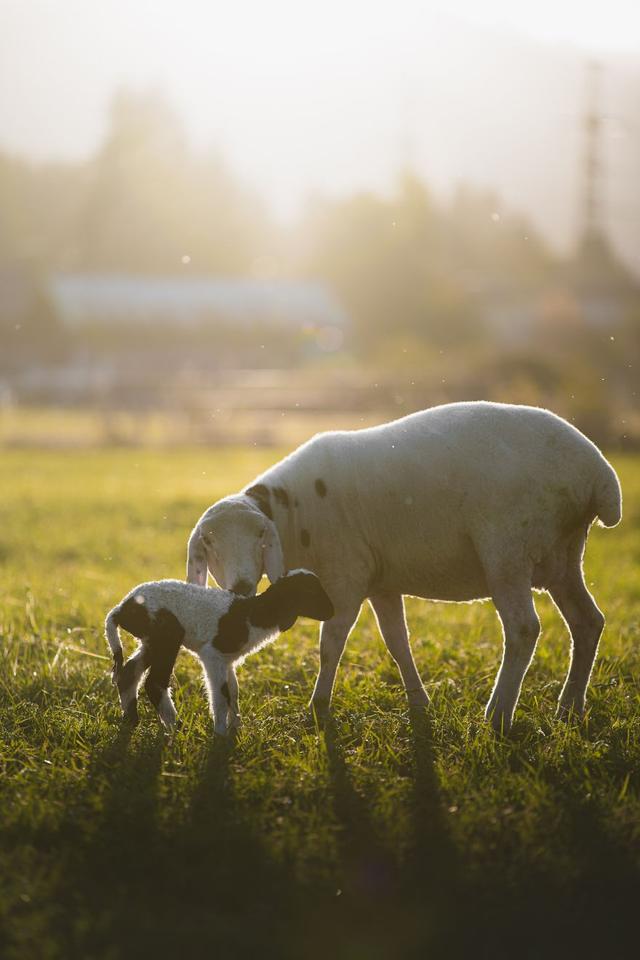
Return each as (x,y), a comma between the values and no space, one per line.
(204,887)
(388,909)
(573,894)
(436,891)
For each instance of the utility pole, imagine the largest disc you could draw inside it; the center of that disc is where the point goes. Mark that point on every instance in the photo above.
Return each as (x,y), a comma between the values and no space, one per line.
(593,237)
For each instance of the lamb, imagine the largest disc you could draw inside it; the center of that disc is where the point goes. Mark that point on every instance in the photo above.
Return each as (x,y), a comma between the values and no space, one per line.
(215,625)
(459,502)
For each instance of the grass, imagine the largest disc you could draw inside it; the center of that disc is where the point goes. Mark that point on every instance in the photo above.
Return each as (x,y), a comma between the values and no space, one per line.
(385,835)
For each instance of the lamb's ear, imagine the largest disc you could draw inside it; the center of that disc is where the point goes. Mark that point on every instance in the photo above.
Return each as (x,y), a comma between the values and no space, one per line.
(196,559)
(272,553)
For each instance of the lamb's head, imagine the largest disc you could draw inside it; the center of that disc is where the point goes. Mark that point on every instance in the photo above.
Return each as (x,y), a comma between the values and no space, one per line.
(308,596)
(237,543)
(298,594)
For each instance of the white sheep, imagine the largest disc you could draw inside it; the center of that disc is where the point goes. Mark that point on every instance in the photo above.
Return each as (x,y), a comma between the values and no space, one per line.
(460,502)
(216,625)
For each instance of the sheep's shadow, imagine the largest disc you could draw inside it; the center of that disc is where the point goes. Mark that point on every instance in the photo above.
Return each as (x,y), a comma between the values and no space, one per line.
(435,885)
(368,870)
(590,907)
(397,908)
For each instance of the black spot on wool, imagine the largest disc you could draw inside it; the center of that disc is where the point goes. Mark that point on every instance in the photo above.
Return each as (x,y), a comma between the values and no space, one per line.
(233,628)
(321,487)
(275,608)
(305,538)
(225,692)
(167,634)
(134,617)
(281,496)
(262,496)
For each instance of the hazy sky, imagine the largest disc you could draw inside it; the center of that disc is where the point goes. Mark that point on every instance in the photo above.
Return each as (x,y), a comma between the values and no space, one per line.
(323,96)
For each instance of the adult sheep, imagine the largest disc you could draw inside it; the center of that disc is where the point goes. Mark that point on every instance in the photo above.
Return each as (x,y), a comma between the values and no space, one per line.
(459,502)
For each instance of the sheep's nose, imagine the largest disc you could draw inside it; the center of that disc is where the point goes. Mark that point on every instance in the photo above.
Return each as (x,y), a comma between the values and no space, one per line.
(243,587)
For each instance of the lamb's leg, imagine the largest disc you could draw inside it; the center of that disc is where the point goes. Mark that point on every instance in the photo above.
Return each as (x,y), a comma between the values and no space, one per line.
(585,622)
(233,711)
(389,611)
(521,628)
(128,680)
(165,640)
(333,637)
(215,673)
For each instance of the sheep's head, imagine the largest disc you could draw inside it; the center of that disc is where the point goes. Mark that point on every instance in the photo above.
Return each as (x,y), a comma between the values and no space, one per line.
(237,543)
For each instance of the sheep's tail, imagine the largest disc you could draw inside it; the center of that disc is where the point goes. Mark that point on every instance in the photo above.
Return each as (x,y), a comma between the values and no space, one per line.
(607,496)
(113,639)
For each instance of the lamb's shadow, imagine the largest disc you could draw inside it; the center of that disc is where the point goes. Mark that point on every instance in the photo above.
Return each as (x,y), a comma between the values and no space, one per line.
(234,897)
(104,856)
(204,886)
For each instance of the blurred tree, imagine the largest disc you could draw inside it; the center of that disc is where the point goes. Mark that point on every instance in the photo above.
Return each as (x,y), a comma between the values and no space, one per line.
(388,261)
(151,202)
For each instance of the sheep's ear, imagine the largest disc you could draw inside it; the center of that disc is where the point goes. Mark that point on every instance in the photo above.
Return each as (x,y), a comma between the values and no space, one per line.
(272,553)
(196,559)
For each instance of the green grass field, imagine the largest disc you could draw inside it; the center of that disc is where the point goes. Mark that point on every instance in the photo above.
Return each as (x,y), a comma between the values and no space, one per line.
(383,836)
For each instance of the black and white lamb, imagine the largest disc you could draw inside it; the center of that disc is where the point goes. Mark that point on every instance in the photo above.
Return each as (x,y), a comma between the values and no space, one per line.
(216,625)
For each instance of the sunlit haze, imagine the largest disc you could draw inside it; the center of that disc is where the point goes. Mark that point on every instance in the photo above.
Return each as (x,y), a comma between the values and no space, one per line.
(330,98)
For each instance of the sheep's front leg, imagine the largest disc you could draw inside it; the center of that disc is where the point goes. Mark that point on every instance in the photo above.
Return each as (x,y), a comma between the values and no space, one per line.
(233,711)
(389,611)
(215,674)
(333,637)
(521,628)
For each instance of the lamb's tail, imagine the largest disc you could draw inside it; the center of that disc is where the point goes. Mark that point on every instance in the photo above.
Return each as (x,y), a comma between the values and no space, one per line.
(607,496)
(113,639)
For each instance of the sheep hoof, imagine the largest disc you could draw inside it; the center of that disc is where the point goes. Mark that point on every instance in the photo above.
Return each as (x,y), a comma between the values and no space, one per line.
(500,722)
(131,714)
(418,698)
(569,711)
(320,709)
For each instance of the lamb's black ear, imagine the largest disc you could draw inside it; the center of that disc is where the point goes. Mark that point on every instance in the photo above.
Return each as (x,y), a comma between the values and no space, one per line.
(308,596)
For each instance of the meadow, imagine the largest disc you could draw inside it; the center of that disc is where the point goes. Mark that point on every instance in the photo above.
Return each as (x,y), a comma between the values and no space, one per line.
(385,834)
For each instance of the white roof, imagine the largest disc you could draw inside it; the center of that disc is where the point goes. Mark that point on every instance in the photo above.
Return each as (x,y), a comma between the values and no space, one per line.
(119,298)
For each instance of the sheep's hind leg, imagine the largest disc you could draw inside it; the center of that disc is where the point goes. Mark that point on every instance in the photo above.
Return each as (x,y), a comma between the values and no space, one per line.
(585,622)
(333,637)
(390,614)
(165,640)
(521,629)
(127,681)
